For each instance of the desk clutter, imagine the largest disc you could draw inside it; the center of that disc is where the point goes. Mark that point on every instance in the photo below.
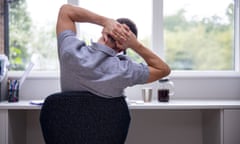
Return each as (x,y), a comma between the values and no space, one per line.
(164,92)
(9,88)
(37,102)
(13,90)
(15,85)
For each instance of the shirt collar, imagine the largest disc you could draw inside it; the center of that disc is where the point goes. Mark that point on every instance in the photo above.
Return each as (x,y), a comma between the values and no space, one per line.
(104,48)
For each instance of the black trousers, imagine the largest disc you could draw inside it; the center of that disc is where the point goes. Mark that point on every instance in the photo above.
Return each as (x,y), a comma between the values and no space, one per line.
(84,118)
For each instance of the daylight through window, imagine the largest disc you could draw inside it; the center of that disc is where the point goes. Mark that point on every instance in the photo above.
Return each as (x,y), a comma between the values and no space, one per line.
(197,35)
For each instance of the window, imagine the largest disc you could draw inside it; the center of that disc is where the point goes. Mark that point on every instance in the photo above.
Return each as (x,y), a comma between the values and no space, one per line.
(140,13)
(199,35)
(32,33)
(188,34)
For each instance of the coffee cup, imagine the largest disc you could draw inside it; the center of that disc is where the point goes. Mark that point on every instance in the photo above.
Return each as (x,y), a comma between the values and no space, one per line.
(147,94)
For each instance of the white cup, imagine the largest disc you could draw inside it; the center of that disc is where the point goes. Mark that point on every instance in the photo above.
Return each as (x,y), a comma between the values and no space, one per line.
(147,94)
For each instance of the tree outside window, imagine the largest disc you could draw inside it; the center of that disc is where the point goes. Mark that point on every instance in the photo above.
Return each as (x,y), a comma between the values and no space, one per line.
(190,42)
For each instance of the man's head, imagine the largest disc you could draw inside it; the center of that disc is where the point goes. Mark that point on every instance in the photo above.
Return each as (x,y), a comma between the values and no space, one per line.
(131,25)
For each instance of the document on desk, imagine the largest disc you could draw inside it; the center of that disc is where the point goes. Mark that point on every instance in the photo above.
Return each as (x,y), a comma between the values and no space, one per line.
(37,102)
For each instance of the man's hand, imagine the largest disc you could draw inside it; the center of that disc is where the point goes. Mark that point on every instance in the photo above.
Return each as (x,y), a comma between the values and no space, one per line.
(157,67)
(125,38)
(110,26)
(117,31)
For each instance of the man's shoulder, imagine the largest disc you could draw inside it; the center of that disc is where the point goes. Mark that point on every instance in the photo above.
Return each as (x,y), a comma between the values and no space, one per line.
(65,33)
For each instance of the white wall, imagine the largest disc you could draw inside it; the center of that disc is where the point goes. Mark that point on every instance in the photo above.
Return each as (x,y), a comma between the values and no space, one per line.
(185,88)
(197,88)
(149,126)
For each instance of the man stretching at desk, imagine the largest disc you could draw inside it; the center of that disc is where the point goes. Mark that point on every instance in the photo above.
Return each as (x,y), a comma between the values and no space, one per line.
(98,68)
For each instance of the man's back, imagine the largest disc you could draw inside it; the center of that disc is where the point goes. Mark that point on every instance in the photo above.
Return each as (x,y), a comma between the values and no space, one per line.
(96,68)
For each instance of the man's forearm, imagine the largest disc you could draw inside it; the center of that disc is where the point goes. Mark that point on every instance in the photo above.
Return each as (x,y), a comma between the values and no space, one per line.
(157,67)
(78,14)
(70,14)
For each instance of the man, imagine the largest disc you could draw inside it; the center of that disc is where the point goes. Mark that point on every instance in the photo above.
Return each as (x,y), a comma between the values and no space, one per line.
(97,68)
(91,108)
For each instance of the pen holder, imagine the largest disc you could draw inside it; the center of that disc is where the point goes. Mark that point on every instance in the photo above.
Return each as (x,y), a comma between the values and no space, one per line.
(13,90)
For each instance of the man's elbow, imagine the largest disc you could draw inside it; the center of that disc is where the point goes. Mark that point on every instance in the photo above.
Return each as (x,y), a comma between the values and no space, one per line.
(64,8)
(166,70)
(64,20)
(156,74)
(163,72)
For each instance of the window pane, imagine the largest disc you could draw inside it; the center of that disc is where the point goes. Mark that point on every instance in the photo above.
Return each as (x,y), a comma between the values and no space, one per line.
(32,33)
(199,35)
(138,11)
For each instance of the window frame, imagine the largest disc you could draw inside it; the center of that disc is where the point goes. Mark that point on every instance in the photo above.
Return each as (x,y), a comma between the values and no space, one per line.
(158,45)
(6,28)
(237,35)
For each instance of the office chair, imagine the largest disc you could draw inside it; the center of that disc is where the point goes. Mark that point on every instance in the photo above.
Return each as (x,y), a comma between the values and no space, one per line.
(84,118)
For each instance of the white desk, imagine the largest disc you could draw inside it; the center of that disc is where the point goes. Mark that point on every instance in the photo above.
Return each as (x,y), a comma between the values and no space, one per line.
(173,104)
(214,121)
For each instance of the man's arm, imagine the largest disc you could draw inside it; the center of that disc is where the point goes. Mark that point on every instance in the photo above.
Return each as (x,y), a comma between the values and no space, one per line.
(157,67)
(70,14)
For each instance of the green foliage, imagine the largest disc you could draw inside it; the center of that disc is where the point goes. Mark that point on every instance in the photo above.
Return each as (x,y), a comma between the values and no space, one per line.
(28,40)
(205,44)
(20,25)
(199,45)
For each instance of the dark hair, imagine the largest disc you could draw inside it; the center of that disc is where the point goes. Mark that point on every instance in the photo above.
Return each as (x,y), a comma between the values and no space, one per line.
(132,26)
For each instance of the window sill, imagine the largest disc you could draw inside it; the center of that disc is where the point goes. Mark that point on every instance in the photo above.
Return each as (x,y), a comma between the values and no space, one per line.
(205,74)
(174,74)
(35,74)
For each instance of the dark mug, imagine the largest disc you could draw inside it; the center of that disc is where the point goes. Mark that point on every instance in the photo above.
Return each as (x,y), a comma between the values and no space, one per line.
(163,95)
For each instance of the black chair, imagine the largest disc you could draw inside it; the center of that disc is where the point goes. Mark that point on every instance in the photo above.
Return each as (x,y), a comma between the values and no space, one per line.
(84,118)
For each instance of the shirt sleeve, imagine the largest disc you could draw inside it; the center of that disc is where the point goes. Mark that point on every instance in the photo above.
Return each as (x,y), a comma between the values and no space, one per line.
(68,40)
(139,73)
(136,73)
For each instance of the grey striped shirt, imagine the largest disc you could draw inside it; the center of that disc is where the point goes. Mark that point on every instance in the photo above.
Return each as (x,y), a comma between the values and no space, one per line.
(96,68)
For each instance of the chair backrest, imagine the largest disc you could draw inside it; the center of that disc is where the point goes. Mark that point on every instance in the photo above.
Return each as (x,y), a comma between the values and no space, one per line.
(84,118)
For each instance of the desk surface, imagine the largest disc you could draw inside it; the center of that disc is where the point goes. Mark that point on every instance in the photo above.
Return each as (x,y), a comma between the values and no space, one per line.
(173,104)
